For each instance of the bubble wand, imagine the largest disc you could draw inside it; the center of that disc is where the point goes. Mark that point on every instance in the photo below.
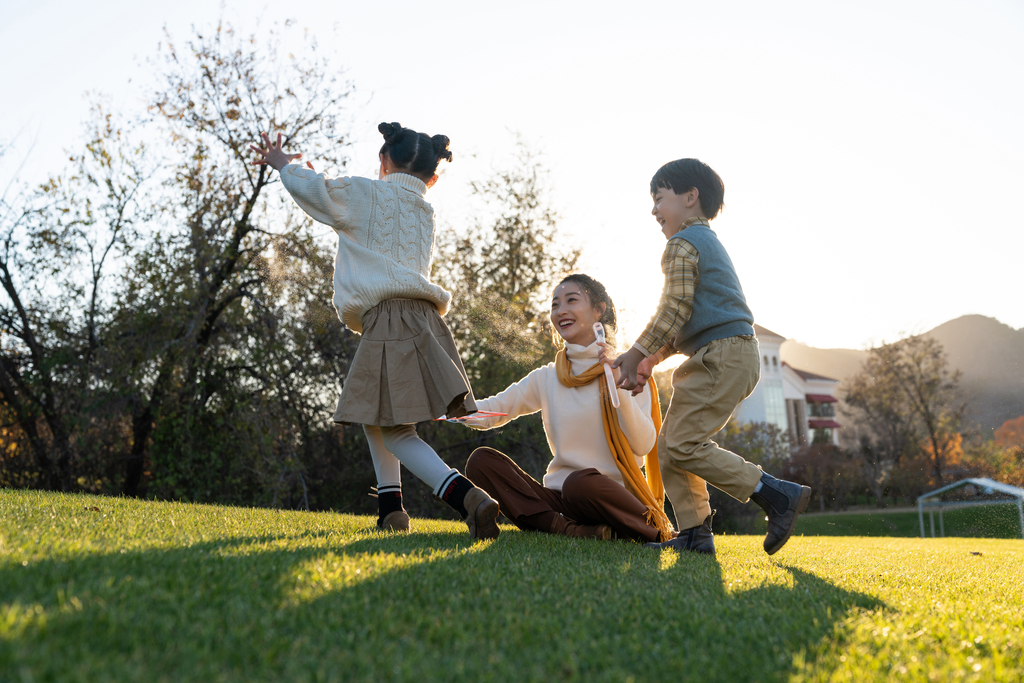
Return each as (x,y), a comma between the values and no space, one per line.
(599,331)
(471,416)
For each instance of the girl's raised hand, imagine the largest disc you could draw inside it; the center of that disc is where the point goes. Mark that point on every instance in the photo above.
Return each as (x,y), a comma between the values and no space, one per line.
(273,155)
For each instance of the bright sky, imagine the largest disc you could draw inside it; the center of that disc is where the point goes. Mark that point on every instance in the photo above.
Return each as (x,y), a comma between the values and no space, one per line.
(872,152)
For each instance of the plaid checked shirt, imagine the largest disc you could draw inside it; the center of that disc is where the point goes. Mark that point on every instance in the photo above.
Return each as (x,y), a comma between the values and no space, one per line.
(679,264)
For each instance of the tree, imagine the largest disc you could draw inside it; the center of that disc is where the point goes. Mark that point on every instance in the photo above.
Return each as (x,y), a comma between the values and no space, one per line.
(501,271)
(906,398)
(208,349)
(922,371)
(1011,433)
(57,249)
(876,404)
(1001,459)
(190,343)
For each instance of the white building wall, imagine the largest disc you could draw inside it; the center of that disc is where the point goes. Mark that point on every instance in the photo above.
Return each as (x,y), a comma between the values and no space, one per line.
(780,397)
(766,402)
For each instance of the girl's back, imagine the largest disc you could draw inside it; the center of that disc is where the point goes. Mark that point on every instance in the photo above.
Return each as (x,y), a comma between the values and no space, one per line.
(385,237)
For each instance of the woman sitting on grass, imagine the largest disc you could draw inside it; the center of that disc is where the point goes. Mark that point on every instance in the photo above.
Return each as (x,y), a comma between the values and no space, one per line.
(593,486)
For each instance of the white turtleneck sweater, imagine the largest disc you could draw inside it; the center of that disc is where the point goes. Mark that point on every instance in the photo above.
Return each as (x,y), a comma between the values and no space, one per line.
(385,237)
(572,418)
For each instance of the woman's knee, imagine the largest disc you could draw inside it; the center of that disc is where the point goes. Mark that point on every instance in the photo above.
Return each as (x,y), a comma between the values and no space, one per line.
(482,460)
(582,484)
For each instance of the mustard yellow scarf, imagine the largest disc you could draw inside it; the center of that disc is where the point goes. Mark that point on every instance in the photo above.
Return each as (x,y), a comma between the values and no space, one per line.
(649,491)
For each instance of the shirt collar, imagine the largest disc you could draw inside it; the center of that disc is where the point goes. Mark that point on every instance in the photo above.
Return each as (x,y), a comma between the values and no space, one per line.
(696,220)
(407,181)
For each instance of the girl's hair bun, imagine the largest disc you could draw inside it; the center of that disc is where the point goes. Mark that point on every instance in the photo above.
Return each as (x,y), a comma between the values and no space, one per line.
(412,152)
(441,147)
(391,131)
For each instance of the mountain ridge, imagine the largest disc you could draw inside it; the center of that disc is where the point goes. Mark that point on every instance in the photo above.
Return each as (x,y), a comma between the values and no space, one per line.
(988,353)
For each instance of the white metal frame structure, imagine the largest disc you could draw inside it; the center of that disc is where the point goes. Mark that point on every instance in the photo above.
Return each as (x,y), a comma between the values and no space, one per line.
(988,487)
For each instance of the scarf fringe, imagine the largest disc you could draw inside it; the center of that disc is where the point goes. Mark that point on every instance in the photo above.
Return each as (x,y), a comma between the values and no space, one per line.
(657,518)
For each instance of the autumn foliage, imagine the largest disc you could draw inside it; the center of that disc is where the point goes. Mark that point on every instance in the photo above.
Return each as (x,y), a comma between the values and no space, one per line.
(1011,433)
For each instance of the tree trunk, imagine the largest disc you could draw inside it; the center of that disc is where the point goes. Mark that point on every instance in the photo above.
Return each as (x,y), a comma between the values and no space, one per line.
(142,427)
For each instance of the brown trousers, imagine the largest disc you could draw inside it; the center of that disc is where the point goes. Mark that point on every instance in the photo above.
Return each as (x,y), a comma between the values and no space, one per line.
(587,497)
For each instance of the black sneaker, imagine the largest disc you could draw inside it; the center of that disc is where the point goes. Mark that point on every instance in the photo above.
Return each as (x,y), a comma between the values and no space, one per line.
(698,539)
(782,501)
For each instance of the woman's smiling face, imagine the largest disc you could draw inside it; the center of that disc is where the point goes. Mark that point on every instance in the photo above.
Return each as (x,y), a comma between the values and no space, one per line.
(573,315)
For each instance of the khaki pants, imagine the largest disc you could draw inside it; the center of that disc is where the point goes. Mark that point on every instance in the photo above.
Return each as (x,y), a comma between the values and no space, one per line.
(706,389)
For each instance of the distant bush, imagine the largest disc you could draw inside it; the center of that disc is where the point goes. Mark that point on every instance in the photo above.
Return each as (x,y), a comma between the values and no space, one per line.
(1011,434)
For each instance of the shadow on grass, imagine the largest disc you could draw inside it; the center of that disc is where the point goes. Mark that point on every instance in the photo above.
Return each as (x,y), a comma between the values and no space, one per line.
(423,607)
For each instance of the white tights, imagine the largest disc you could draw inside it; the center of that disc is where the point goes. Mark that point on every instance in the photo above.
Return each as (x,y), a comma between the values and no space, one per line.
(390,446)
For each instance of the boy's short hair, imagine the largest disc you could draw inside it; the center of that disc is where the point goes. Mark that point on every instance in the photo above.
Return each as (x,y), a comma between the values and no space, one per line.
(682,175)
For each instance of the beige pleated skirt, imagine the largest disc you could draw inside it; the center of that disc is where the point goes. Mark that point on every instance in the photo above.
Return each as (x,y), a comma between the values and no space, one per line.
(406,369)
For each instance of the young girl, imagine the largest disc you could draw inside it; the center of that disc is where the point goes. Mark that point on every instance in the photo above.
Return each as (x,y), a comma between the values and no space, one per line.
(593,485)
(406,368)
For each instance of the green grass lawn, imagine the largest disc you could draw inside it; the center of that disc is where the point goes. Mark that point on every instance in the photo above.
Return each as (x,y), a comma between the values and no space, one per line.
(992,521)
(151,591)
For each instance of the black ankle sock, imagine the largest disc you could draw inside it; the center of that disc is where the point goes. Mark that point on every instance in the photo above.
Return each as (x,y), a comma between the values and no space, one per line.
(770,497)
(389,499)
(454,492)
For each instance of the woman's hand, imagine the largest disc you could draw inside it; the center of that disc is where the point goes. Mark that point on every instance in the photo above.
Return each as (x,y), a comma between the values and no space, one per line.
(273,155)
(606,355)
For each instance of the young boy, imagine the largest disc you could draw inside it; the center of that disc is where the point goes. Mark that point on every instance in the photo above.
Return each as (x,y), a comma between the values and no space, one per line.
(703,314)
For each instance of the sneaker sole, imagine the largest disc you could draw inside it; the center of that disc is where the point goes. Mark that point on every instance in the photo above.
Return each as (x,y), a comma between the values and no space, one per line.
(801,505)
(486,520)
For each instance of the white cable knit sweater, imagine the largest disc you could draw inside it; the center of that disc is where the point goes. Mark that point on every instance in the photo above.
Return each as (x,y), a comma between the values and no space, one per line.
(572,418)
(385,237)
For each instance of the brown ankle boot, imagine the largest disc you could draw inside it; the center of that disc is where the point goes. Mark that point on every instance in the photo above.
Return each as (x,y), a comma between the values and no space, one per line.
(599,532)
(395,521)
(481,514)
(567,527)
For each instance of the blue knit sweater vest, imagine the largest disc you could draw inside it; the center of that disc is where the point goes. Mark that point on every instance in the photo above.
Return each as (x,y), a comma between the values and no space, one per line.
(719,307)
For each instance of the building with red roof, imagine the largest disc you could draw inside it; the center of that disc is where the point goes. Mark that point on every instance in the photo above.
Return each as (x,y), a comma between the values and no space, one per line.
(800,403)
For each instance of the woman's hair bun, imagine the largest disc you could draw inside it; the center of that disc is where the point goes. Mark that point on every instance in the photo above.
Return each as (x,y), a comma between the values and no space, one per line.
(441,147)
(390,131)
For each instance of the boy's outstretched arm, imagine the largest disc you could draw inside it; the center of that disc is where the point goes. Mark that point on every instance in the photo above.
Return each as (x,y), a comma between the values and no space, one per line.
(679,264)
